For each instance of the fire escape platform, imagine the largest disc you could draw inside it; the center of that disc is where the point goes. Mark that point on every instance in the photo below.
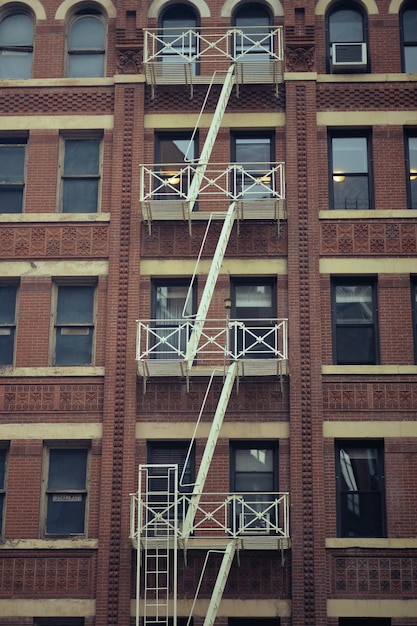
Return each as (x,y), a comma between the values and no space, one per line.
(245,367)
(253,542)
(265,209)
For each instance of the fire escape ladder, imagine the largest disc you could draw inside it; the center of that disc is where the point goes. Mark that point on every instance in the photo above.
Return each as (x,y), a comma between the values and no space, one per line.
(216,425)
(222,576)
(211,137)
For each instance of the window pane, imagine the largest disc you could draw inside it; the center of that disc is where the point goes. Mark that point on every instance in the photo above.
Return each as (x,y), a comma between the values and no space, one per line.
(81,157)
(350,155)
(170,302)
(359,469)
(16,30)
(254,301)
(6,346)
(410,25)
(86,65)
(75,305)
(361,515)
(254,460)
(67,469)
(350,192)
(175,150)
(354,304)
(11,199)
(15,65)
(410,58)
(72,347)
(2,467)
(66,513)
(355,346)
(346,26)
(12,161)
(87,33)
(80,196)
(254,150)
(7,304)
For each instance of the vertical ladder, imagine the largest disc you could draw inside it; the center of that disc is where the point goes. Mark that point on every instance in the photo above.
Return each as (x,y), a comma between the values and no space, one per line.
(211,137)
(158,523)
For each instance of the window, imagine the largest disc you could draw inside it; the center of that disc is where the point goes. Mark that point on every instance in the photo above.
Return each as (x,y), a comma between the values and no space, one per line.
(355,322)
(66,492)
(86,45)
(173,151)
(8,295)
(16,46)
(172,306)
(80,180)
(12,174)
(350,186)
(364,621)
(252,40)
(254,302)
(255,153)
(409,37)
(59,621)
(3,458)
(347,37)
(414,310)
(360,489)
(254,475)
(179,24)
(74,325)
(411,161)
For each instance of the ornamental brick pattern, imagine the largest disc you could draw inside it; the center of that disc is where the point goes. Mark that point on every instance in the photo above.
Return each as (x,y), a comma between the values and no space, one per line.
(370,396)
(51,398)
(366,238)
(68,101)
(372,97)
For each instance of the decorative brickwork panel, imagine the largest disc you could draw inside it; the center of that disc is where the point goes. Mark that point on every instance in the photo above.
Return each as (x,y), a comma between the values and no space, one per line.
(300,58)
(168,239)
(374,97)
(370,575)
(372,396)
(367,238)
(47,575)
(46,102)
(53,241)
(44,398)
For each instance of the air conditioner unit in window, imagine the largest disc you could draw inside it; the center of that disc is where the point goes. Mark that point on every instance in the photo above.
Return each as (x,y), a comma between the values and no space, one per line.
(348,57)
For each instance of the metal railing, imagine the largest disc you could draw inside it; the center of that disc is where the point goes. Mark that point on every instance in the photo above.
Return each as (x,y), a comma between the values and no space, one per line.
(231,515)
(233,339)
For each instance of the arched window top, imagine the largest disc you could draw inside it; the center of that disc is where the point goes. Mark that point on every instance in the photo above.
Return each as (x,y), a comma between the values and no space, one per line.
(325,6)
(346,24)
(252,14)
(176,15)
(16,46)
(408,20)
(72,7)
(86,44)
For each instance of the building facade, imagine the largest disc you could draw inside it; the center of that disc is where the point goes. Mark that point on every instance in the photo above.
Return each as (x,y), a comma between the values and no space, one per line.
(208,313)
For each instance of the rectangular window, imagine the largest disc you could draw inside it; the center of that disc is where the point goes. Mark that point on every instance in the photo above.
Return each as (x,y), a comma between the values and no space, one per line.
(80,179)
(12,174)
(254,475)
(355,333)
(74,325)
(360,489)
(3,460)
(59,621)
(411,160)
(414,311)
(254,302)
(8,295)
(173,153)
(350,180)
(255,153)
(173,304)
(364,621)
(66,493)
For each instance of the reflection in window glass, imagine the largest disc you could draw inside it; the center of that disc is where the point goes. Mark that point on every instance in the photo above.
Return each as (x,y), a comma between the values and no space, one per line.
(350,173)
(80,181)
(412,172)
(409,32)
(86,48)
(173,152)
(255,155)
(16,46)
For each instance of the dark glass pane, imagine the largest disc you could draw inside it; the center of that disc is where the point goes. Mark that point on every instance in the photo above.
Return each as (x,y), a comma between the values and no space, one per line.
(254,459)
(180,17)
(87,33)
(350,192)
(15,65)
(413,193)
(359,469)
(66,513)
(16,30)
(12,161)
(11,199)
(410,25)
(73,346)
(172,303)
(361,514)
(75,304)
(6,346)
(81,157)
(67,469)
(86,65)
(7,304)
(350,155)
(346,25)
(355,345)
(254,301)
(354,304)
(175,150)
(250,481)
(1,511)
(2,467)
(80,195)
(410,59)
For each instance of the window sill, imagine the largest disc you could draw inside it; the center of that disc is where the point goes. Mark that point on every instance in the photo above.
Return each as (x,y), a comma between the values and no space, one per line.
(366,77)
(367,214)
(16,372)
(49,544)
(55,217)
(369,369)
(372,542)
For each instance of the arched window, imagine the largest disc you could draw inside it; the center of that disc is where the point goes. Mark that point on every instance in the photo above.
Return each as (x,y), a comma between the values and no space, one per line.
(252,32)
(86,45)
(347,39)
(16,46)
(179,24)
(409,38)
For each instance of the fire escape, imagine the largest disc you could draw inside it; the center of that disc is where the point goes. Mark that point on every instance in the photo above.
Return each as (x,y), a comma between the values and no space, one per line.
(164,520)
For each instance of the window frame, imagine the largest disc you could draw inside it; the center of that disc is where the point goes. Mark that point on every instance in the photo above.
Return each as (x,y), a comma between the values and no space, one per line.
(264,11)
(355,281)
(172,136)
(4,448)
(407,6)
(350,134)
(87,52)
(65,446)
(154,447)
(56,324)
(63,176)
(17,142)
(410,134)
(12,325)
(19,49)
(361,444)
(346,6)
(238,135)
(166,56)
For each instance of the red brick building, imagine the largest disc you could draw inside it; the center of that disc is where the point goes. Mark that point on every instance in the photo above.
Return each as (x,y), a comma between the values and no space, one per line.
(208,331)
